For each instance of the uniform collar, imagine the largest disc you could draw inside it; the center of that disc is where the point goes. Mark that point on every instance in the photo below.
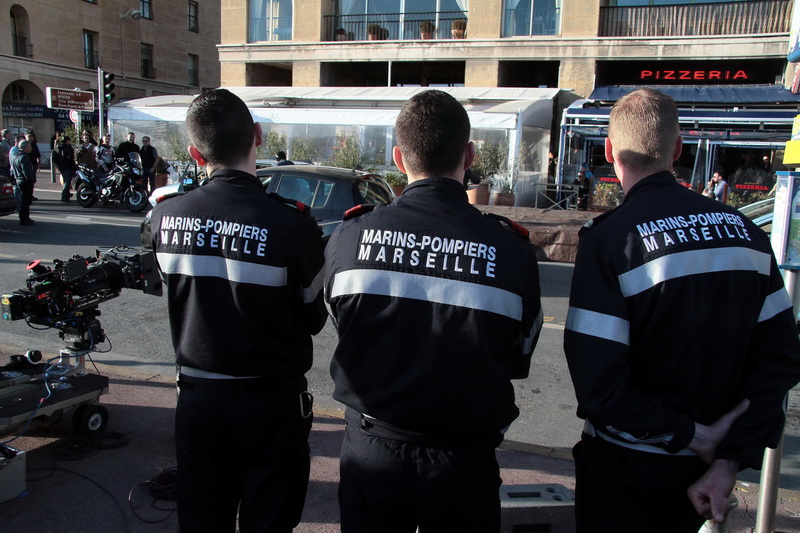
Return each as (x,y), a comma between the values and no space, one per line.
(659,179)
(235,176)
(444,187)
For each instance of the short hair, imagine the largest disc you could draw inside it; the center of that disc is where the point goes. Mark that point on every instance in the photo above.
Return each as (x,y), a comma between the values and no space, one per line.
(281,155)
(220,126)
(23,144)
(432,132)
(643,127)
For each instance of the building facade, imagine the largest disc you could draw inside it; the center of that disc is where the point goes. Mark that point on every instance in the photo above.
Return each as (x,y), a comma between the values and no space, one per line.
(153,47)
(574,45)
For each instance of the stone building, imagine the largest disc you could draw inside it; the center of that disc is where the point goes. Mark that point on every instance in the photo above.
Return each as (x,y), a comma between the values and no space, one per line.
(574,45)
(152,47)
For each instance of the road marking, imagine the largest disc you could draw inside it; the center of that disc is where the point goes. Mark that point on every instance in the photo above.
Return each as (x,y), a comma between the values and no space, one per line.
(109,221)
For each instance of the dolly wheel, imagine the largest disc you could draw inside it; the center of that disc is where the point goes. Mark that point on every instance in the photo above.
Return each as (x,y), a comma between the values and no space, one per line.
(92,420)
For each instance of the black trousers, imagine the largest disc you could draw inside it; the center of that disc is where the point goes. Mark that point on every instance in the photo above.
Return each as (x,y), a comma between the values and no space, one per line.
(25,200)
(390,485)
(628,491)
(240,444)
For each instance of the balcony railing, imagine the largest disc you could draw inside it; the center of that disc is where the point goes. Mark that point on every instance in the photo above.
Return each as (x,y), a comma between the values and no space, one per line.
(21,46)
(148,70)
(731,18)
(91,58)
(395,26)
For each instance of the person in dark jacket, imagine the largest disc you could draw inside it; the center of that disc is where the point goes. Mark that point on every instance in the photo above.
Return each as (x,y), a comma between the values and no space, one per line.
(23,172)
(150,157)
(66,166)
(243,272)
(676,401)
(125,148)
(437,307)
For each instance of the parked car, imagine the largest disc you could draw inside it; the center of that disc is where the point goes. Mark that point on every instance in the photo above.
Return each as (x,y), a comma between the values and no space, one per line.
(760,213)
(329,191)
(8,201)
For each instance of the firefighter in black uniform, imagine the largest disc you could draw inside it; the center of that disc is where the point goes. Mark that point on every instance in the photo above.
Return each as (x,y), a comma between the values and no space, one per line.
(244,277)
(680,340)
(437,309)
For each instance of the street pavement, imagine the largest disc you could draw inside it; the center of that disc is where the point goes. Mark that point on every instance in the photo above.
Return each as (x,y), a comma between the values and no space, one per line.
(102,491)
(105,490)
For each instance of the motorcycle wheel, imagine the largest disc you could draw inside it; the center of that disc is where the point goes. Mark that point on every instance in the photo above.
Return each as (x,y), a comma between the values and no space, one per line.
(136,199)
(86,195)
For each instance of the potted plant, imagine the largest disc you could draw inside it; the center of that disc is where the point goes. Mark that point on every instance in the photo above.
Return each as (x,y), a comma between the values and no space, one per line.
(397,180)
(427,29)
(376,33)
(458,28)
(489,164)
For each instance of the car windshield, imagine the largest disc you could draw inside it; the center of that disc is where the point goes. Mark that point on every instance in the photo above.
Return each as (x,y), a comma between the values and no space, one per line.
(373,191)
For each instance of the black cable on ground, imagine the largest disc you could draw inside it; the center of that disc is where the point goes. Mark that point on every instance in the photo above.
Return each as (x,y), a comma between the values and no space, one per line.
(96,484)
(80,447)
(161,487)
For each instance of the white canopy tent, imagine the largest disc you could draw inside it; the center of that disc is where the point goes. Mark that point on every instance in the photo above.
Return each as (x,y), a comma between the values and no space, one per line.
(520,118)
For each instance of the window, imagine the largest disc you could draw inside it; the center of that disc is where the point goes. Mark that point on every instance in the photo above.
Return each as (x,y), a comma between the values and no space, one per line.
(193,70)
(91,58)
(531,17)
(16,93)
(146,7)
(270,20)
(148,68)
(192,13)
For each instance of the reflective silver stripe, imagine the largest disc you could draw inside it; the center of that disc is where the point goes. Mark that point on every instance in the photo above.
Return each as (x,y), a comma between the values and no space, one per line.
(527,342)
(694,262)
(310,293)
(609,327)
(589,429)
(774,303)
(428,288)
(220,267)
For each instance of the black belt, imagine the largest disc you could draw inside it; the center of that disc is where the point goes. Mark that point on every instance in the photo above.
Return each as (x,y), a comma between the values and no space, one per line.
(385,430)
(272,384)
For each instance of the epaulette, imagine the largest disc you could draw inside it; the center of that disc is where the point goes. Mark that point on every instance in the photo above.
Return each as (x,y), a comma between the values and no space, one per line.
(300,206)
(358,210)
(593,222)
(516,227)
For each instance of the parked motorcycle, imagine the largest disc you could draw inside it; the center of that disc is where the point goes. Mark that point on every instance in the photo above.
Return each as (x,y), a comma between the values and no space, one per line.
(120,185)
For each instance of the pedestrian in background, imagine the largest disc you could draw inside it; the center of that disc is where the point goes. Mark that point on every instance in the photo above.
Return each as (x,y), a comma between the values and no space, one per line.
(429,339)
(126,148)
(150,157)
(66,166)
(36,155)
(87,152)
(105,154)
(6,144)
(243,305)
(676,401)
(25,177)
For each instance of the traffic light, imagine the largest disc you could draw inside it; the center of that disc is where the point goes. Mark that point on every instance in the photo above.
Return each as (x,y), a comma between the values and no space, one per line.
(108,86)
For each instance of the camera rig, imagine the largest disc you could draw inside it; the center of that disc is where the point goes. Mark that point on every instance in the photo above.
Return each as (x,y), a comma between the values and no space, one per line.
(66,297)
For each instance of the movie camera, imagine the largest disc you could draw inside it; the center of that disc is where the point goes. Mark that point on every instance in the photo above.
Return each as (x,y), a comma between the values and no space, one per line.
(66,297)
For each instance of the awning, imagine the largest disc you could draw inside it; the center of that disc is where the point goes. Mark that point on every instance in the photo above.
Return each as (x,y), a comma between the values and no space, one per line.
(502,108)
(706,94)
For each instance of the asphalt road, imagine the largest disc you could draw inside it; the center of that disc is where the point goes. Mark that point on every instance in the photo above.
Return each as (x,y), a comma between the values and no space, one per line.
(136,324)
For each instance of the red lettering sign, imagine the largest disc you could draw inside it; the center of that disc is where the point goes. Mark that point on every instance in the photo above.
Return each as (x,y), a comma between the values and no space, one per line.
(698,74)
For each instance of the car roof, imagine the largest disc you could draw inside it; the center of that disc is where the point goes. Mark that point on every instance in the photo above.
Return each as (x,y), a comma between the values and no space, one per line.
(331,172)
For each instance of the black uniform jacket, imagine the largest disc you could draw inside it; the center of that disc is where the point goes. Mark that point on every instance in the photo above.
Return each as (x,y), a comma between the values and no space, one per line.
(244,278)
(677,313)
(437,308)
